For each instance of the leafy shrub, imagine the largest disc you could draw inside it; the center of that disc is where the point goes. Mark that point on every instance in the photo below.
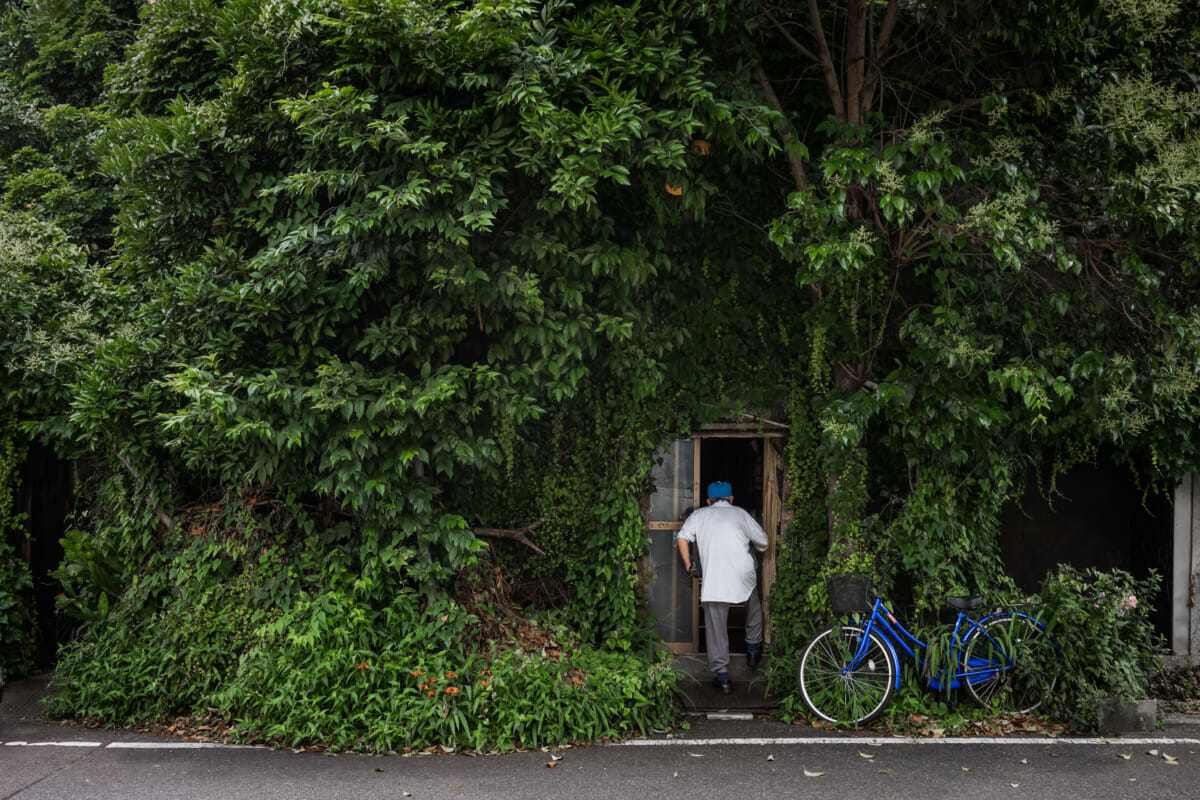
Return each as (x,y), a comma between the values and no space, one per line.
(332,671)
(16,615)
(1103,642)
(289,639)
(17,642)
(404,694)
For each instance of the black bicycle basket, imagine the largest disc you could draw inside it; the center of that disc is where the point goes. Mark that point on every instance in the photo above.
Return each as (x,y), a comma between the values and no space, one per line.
(849,594)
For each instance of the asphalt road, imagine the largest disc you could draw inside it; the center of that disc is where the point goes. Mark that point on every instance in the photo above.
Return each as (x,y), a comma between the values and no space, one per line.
(725,759)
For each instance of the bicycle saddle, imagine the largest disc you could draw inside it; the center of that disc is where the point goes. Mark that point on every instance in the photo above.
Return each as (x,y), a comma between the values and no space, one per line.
(964,602)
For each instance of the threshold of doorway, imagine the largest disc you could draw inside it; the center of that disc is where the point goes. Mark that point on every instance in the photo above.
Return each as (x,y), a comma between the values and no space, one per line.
(696,694)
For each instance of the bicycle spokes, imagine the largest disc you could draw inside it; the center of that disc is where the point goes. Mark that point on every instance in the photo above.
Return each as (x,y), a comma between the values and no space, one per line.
(846,678)
(989,660)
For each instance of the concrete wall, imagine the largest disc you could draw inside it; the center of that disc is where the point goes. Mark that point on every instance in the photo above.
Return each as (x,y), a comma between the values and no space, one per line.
(1185,572)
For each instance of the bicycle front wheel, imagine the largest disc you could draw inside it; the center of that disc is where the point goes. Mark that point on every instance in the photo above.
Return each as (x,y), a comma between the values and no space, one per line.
(838,683)
(990,655)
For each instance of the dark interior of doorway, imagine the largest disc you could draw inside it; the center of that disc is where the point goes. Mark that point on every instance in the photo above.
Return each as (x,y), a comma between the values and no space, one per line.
(44,498)
(738,461)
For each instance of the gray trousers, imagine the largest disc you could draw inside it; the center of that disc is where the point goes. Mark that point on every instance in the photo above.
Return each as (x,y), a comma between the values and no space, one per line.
(716,628)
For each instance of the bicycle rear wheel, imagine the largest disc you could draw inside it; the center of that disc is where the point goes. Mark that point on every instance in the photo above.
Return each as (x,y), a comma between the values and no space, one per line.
(989,663)
(840,688)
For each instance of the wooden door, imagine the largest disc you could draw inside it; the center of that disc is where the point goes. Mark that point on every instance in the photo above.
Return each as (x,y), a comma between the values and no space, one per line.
(673,599)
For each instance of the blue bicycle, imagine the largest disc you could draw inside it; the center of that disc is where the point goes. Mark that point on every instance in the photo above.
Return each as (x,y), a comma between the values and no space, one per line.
(849,672)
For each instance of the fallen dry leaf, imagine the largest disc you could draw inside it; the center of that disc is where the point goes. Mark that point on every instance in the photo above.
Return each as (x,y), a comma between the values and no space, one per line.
(861,754)
(808,774)
(770,757)
(1125,756)
(966,769)
(551,763)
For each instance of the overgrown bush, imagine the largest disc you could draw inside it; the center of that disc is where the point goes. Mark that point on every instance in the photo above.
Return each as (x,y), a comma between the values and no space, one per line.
(333,671)
(295,635)
(17,635)
(1103,642)
(16,614)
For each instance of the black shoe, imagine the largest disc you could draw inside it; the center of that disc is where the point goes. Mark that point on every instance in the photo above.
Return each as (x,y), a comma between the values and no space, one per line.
(725,686)
(753,660)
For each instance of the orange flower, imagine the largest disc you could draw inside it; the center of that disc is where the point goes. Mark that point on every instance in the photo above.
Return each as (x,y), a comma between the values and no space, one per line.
(431,693)
(452,690)
(483,681)
(416,673)
(363,665)
(433,680)
(451,674)
(423,686)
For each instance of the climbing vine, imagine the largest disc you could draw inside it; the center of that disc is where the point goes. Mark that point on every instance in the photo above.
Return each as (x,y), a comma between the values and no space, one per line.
(17,633)
(415,275)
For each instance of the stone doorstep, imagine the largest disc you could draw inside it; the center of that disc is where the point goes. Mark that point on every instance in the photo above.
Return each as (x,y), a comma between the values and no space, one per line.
(696,692)
(1127,716)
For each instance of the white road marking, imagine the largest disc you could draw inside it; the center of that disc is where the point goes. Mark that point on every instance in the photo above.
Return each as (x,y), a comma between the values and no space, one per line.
(168,745)
(874,741)
(865,741)
(128,745)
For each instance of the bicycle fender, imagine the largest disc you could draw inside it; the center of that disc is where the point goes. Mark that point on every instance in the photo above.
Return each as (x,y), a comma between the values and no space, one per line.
(870,628)
(1021,615)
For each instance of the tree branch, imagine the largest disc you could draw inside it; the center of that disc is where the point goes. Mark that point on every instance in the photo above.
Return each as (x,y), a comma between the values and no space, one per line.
(797,166)
(856,59)
(792,40)
(879,53)
(518,534)
(826,61)
(163,516)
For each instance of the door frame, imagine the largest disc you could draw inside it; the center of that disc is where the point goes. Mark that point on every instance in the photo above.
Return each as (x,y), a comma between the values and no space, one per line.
(771,435)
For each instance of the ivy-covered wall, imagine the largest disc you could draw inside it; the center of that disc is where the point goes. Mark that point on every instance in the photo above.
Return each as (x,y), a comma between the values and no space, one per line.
(326,287)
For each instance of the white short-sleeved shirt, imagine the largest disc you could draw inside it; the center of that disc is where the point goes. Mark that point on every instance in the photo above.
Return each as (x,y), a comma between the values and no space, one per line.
(723,534)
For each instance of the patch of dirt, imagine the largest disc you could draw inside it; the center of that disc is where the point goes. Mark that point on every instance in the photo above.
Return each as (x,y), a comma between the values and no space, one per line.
(491,598)
(1177,690)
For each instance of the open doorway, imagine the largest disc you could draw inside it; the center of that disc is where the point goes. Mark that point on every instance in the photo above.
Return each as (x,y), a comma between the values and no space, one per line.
(748,458)
(739,462)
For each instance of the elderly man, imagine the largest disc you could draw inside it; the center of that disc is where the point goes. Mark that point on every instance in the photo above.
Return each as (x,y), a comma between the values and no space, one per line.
(723,534)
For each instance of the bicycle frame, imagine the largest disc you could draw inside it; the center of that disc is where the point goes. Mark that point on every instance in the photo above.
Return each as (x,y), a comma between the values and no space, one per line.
(883,622)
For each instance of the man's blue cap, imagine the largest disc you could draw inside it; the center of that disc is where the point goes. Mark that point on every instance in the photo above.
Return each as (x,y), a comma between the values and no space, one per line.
(719,489)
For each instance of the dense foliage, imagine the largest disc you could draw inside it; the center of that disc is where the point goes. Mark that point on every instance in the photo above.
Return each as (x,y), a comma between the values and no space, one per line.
(364,254)
(16,614)
(1103,644)
(996,223)
(358,306)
